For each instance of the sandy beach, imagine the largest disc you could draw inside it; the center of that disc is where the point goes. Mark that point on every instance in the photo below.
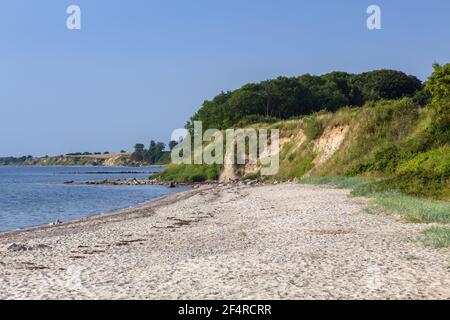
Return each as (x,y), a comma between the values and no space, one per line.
(285,241)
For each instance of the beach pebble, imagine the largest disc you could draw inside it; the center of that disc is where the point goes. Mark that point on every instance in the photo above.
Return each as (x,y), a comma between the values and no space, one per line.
(16,247)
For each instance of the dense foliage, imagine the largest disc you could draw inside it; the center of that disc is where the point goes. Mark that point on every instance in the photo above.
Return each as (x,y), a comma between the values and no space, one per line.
(407,145)
(439,86)
(155,154)
(284,97)
(14,160)
(189,173)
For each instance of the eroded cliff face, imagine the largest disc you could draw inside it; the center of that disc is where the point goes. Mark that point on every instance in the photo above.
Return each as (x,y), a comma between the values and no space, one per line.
(294,147)
(329,143)
(118,160)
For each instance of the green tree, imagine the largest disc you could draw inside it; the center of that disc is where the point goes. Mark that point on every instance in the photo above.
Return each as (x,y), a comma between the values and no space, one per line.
(438,84)
(386,84)
(139,147)
(138,154)
(155,152)
(286,97)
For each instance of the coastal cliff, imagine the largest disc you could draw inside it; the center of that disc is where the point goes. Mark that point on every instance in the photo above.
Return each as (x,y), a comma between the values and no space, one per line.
(383,126)
(388,142)
(107,160)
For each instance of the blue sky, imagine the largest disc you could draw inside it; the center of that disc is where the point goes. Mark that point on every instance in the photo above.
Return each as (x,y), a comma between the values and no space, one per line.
(139,69)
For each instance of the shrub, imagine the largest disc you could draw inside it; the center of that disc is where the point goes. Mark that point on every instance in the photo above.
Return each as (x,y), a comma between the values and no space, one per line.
(312,127)
(437,237)
(439,86)
(254,118)
(302,166)
(426,174)
(189,173)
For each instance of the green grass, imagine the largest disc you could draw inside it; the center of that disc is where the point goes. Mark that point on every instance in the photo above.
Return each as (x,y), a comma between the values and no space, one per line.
(339,182)
(298,165)
(189,173)
(437,237)
(312,127)
(411,208)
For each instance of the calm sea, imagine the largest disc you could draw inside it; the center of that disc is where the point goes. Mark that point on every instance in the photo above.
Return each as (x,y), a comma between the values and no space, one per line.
(34,196)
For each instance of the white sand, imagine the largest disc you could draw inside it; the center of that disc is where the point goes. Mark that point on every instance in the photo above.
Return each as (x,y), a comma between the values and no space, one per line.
(285,241)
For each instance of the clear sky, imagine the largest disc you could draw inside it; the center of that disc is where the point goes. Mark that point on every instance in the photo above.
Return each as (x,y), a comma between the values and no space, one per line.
(140,68)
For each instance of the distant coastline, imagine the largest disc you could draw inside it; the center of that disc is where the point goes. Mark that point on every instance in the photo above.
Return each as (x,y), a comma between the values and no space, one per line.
(94,160)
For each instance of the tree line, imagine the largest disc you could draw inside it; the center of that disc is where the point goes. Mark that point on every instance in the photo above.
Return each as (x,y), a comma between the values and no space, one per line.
(155,154)
(287,97)
(90,153)
(14,160)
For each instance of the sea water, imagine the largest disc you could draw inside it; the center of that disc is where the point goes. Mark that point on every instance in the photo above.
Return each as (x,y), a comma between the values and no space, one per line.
(35,196)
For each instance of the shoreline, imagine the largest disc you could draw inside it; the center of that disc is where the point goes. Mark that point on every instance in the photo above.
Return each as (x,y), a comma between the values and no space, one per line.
(228,241)
(98,216)
(193,188)
(78,166)
(86,213)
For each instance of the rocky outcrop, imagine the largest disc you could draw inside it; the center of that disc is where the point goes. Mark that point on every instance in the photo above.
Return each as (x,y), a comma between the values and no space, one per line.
(126,182)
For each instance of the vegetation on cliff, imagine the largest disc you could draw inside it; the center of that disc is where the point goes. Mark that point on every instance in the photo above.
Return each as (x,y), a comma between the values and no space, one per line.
(396,131)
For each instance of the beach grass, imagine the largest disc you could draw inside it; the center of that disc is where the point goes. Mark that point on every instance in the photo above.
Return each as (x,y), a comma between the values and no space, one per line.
(411,208)
(338,181)
(437,237)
